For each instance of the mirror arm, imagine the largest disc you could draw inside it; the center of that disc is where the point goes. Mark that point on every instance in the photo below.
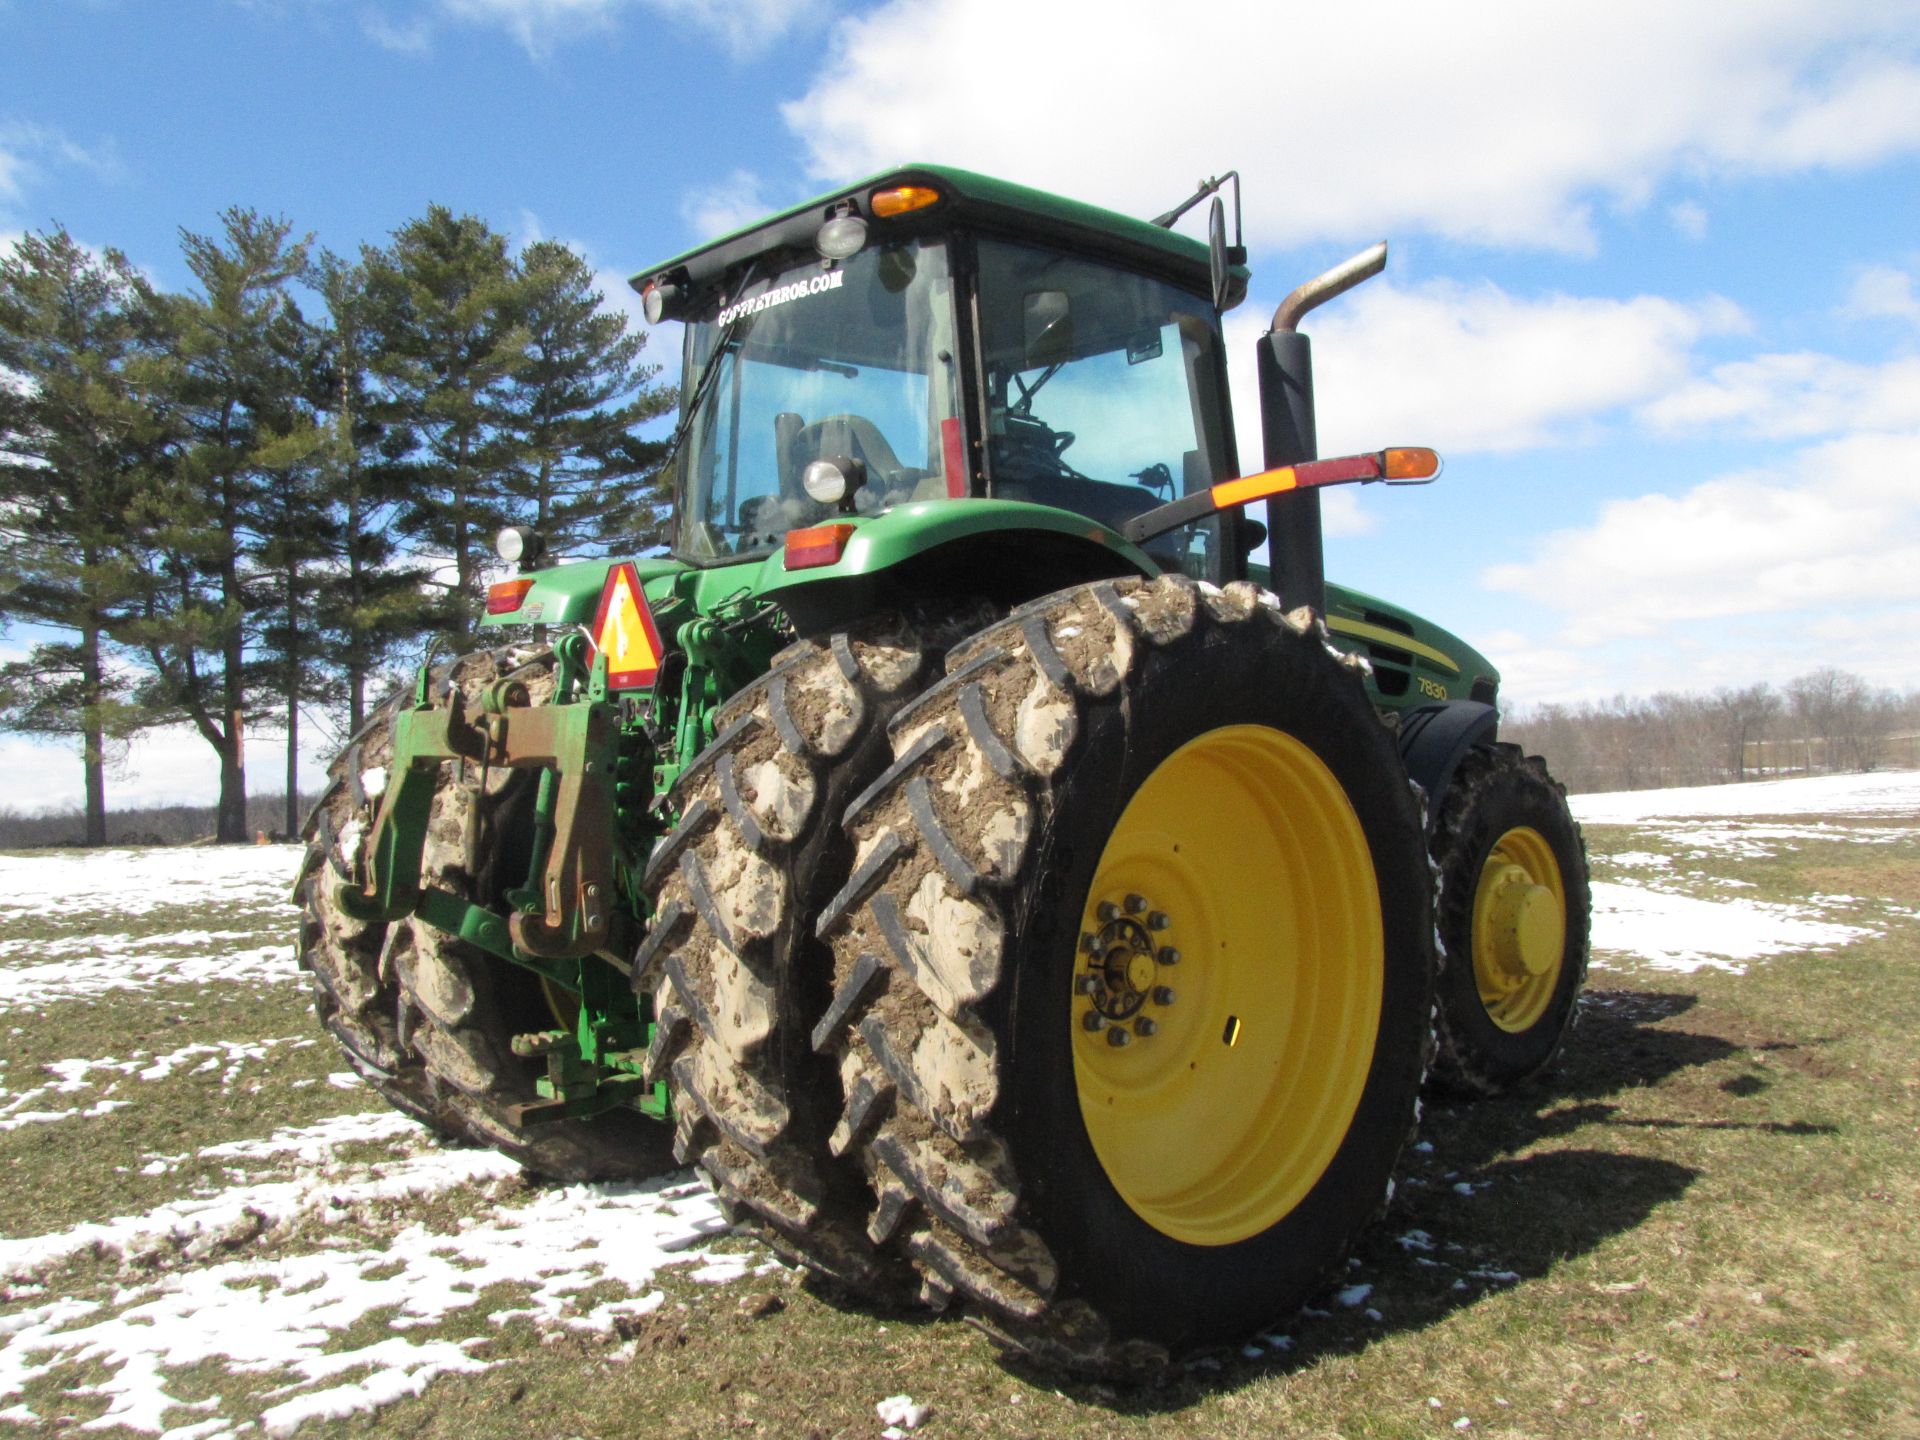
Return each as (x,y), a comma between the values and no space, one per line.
(1384,465)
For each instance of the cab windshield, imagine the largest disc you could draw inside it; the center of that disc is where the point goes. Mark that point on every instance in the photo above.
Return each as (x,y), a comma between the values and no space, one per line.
(853,358)
(1103,393)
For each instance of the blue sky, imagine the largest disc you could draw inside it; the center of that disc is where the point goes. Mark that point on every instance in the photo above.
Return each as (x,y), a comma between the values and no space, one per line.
(1655,286)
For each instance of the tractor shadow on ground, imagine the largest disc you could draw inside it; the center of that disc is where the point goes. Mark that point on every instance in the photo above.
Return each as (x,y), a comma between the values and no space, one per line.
(1475,1213)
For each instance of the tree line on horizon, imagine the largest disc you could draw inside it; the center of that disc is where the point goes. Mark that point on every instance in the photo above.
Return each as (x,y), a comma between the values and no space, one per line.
(262,494)
(1823,722)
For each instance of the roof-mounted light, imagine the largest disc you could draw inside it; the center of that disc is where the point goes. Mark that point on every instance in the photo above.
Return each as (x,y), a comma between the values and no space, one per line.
(902,200)
(843,236)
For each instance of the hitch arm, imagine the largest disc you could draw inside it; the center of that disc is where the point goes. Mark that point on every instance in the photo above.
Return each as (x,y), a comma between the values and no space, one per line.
(575,914)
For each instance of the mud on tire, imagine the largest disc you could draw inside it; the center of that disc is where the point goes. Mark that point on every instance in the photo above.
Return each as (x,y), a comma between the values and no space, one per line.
(1511,860)
(958,944)
(426,1018)
(737,976)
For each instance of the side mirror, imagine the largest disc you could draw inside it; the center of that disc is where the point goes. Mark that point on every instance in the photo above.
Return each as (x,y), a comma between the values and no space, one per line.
(1217,252)
(1047,328)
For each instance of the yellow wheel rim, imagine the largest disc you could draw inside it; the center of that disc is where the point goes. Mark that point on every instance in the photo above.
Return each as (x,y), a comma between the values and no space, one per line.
(1232,941)
(1519,929)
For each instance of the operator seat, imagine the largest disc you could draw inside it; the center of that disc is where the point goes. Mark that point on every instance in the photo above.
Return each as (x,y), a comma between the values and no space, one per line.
(888,481)
(853,435)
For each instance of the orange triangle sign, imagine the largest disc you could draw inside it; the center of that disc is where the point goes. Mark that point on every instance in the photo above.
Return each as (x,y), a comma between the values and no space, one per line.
(624,632)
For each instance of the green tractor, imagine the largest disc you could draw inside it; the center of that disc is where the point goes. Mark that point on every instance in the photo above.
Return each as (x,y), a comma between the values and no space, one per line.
(1004,891)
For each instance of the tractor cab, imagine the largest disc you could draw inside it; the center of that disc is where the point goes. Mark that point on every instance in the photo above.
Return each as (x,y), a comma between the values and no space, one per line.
(933,336)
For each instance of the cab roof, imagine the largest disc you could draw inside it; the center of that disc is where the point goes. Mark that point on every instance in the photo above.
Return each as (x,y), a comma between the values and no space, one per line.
(966,198)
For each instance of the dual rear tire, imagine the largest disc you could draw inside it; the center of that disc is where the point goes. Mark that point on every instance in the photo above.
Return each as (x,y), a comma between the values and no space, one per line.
(1145,810)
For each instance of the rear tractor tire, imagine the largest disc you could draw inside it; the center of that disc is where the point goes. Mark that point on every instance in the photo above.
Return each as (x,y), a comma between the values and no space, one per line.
(426,1018)
(737,974)
(1513,918)
(1133,973)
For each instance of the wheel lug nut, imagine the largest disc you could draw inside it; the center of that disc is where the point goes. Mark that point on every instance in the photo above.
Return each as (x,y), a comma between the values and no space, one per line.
(1163,995)
(1135,904)
(1094,1021)
(1085,984)
(1108,911)
(1158,920)
(1168,955)
(1089,942)
(1143,1027)
(1117,1037)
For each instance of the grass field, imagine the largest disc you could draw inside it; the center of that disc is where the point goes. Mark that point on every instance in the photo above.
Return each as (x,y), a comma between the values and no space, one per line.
(1699,1224)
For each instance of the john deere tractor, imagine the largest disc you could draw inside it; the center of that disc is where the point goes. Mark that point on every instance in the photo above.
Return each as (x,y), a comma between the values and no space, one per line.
(1002,888)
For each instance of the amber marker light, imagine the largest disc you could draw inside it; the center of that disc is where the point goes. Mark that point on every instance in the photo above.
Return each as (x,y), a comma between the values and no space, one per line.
(901,199)
(505,598)
(1409,462)
(816,546)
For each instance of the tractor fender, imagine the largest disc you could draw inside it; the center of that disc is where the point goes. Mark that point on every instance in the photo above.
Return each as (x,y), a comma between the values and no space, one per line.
(1003,551)
(1434,737)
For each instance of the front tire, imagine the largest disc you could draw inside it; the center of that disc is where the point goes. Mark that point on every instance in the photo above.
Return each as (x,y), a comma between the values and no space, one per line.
(1117,771)
(1513,917)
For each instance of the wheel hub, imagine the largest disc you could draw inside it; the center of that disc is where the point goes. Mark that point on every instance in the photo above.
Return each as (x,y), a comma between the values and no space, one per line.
(1519,929)
(1121,973)
(1524,923)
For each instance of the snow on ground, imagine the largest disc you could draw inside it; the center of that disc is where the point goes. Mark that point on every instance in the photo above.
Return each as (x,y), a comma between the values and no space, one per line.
(282,1317)
(243,885)
(1687,932)
(118,964)
(1657,916)
(227,878)
(1886,792)
(267,1273)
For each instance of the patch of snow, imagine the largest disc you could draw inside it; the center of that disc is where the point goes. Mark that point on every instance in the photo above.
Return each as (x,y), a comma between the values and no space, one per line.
(73,1075)
(326,1197)
(1637,860)
(901,1411)
(281,1316)
(1884,792)
(228,878)
(1353,1295)
(1687,933)
(103,972)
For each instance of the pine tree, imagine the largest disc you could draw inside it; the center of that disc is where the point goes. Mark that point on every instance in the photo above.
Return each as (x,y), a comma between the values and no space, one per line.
(77,435)
(374,601)
(441,301)
(233,388)
(581,475)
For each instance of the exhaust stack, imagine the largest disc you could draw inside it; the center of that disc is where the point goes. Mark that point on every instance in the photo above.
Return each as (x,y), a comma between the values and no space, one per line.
(1294,541)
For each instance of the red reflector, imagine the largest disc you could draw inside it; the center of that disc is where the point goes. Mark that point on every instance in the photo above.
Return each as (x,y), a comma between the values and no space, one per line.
(1338,471)
(953,459)
(817,545)
(624,631)
(505,598)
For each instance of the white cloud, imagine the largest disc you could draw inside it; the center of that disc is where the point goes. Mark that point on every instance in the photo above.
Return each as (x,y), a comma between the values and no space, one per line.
(1835,527)
(746,27)
(1689,219)
(407,37)
(724,206)
(25,148)
(1472,367)
(1798,395)
(1882,291)
(1500,123)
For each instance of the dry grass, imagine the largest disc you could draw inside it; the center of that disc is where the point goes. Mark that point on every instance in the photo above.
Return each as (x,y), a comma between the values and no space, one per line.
(1697,1225)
